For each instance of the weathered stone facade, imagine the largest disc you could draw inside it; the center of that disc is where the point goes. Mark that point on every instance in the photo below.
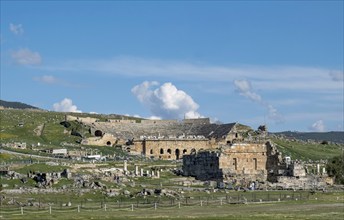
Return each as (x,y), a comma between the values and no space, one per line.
(248,161)
(164,139)
(241,160)
(103,140)
(173,149)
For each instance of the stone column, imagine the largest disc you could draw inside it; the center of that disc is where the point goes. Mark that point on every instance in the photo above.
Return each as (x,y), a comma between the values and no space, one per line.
(152,172)
(136,170)
(125,169)
(141,172)
(318,169)
(323,171)
(158,174)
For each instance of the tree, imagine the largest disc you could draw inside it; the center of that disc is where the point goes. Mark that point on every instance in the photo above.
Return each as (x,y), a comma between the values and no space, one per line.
(335,168)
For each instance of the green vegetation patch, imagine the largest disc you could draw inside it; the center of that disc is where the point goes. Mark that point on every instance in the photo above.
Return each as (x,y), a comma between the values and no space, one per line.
(41,167)
(305,151)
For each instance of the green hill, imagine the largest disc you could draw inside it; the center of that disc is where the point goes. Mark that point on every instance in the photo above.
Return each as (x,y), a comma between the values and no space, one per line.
(333,136)
(302,150)
(16,105)
(32,126)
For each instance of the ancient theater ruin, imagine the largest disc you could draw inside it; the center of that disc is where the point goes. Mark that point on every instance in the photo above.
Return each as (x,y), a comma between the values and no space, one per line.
(220,152)
(163,139)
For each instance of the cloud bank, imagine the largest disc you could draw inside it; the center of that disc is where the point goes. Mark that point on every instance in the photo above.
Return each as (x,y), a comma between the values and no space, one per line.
(337,75)
(26,57)
(166,101)
(66,105)
(265,77)
(244,88)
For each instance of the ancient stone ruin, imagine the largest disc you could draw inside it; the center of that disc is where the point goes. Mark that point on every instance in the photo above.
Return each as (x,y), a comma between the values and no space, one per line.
(249,163)
(163,139)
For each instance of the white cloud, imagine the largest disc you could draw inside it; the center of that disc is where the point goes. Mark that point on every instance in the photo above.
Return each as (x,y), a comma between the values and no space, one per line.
(47,79)
(166,102)
(267,78)
(317,126)
(337,75)
(16,29)
(244,88)
(26,57)
(154,118)
(52,80)
(66,105)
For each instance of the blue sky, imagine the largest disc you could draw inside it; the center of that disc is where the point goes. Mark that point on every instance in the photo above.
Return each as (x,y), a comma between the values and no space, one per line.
(253,62)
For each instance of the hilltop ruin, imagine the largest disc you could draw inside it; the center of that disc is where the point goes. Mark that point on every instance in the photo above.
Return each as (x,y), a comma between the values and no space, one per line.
(220,152)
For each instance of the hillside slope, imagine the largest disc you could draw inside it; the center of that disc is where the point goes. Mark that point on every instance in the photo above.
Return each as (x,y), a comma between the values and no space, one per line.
(32,127)
(44,127)
(333,136)
(16,105)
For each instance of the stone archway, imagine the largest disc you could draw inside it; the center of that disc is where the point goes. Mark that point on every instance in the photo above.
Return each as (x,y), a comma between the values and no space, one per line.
(177,154)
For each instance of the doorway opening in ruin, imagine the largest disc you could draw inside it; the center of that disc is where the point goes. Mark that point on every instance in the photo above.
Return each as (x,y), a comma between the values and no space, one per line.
(108,143)
(255,163)
(235,163)
(236,135)
(177,154)
(184,151)
(169,151)
(193,151)
(151,151)
(98,133)
(161,151)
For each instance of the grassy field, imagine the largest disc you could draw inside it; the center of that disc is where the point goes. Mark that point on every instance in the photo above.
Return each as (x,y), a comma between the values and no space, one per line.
(329,208)
(305,151)
(19,125)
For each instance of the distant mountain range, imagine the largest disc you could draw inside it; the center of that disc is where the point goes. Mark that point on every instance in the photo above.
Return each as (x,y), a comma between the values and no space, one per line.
(333,136)
(17,105)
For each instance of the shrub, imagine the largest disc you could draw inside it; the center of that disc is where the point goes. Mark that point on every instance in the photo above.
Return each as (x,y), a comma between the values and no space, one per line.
(335,168)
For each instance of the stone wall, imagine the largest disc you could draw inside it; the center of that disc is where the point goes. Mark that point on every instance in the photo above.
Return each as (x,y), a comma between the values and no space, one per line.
(173,149)
(86,120)
(248,162)
(159,121)
(245,160)
(197,121)
(105,140)
(204,166)
(124,121)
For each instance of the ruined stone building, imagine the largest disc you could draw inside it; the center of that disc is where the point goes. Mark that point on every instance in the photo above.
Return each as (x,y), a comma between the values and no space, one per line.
(164,139)
(251,161)
(220,152)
